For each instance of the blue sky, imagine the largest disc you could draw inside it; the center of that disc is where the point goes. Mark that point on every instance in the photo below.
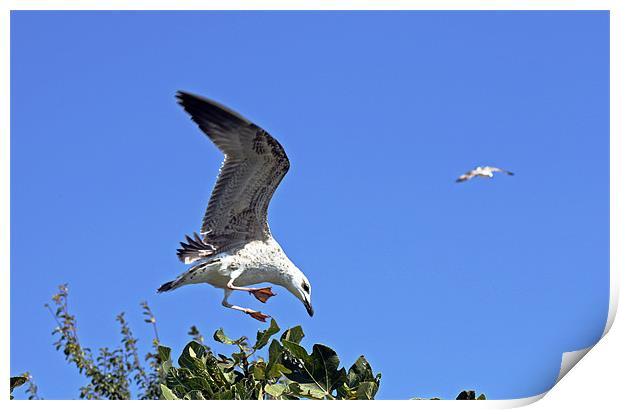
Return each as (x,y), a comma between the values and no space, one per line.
(442,286)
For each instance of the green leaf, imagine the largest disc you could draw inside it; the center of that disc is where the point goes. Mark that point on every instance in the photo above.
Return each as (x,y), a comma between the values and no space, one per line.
(193,356)
(294,334)
(275,367)
(219,336)
(360,383)
(319,369)
(366,390)
(275,351)
(164,353)
(17,381)
(275,390)
(259,370)
(466,395)
(263,336)
(482,397)
(276,371)
(167,394)
(359,372)
(296,350)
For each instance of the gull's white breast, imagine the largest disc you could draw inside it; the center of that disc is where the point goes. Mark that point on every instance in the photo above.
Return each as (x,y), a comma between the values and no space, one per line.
(255,262)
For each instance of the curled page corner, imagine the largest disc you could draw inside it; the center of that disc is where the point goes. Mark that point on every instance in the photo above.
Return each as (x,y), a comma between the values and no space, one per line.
(569,360)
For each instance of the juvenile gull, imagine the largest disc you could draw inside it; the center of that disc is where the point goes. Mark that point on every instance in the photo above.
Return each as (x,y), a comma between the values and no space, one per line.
(486,172)
(235,247)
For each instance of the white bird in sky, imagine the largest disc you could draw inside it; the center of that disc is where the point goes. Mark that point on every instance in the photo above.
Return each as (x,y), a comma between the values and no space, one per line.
(486,172)
(235,247)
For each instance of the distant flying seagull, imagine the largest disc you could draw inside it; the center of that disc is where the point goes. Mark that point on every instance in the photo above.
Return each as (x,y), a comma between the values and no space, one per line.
(235,247)
(482,172)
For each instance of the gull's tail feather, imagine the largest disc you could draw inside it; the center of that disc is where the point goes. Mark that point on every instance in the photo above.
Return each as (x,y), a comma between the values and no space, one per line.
(166,286)
(195,248)
(195,274)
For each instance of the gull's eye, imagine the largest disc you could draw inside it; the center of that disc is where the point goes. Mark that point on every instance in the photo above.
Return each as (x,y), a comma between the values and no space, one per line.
(305,287)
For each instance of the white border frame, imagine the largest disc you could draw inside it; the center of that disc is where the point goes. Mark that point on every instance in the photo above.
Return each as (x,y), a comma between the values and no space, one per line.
(603,370)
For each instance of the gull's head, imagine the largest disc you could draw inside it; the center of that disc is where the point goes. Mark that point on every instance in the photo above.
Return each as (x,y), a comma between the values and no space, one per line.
(299,286)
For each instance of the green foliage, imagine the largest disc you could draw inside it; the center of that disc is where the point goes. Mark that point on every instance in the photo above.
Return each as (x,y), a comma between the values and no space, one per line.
(112,371)
(470,395)
(289,372)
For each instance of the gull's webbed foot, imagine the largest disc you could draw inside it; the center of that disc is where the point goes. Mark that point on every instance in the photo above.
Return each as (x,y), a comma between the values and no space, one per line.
(262,294)
(258,315)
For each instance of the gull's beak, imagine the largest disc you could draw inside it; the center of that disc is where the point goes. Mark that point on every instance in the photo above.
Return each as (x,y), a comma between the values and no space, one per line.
(308,306)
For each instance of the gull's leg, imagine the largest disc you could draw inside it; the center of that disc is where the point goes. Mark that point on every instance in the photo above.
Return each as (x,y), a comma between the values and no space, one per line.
(262,294)
(255,314)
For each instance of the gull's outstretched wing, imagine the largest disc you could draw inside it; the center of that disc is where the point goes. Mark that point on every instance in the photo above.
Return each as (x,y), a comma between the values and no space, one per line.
(254,164)
(467,176)
(494,169)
